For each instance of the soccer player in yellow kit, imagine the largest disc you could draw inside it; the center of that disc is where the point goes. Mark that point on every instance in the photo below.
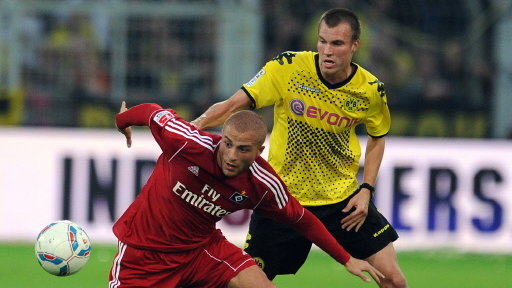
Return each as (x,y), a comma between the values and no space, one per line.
(319,98)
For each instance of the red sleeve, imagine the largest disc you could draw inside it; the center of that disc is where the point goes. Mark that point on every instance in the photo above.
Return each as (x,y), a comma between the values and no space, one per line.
(295,215)
(313,229)
(308,225)
(137,115)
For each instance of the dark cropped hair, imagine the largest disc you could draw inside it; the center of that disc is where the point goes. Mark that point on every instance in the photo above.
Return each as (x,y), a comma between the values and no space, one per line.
(335,16)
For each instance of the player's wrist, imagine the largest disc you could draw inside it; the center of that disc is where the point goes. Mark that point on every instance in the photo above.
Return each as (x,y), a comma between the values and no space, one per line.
(369,187)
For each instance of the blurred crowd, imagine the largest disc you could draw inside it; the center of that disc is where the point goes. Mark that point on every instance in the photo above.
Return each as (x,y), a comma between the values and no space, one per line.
(428,53)
(68,67)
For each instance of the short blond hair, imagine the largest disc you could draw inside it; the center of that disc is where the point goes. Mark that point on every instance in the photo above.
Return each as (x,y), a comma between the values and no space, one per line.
(245,121)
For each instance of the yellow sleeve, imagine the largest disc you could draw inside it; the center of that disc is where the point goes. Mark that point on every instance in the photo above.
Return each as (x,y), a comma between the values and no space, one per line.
(267,86)
(378,122)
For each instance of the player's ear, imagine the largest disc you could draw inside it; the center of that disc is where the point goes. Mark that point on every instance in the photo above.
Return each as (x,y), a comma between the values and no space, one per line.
(260,150)
(355,45)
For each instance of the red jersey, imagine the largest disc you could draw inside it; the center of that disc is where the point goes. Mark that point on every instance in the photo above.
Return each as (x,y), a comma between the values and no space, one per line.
(187,193)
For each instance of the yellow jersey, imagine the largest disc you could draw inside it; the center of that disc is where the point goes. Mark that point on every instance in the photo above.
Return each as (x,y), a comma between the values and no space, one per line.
(313,145)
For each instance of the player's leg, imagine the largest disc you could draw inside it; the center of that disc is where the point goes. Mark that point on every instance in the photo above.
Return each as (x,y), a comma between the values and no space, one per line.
(141,268)
(386,262)
(223,264)
(277,248)
(251,277)
(373,241)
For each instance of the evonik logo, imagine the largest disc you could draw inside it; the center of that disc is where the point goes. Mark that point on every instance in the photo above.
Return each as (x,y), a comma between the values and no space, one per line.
(298,108)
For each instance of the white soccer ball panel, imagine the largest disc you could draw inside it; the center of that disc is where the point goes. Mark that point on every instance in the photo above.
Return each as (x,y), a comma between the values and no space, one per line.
(77,263)
(55,246)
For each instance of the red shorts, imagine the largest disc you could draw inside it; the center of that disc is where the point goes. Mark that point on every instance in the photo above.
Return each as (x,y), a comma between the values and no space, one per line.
(211,266)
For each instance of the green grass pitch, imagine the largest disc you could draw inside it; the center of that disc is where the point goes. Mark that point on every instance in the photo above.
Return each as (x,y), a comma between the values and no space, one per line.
(19,269)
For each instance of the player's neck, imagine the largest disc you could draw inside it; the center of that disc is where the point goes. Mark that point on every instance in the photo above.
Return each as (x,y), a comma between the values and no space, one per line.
(341,76)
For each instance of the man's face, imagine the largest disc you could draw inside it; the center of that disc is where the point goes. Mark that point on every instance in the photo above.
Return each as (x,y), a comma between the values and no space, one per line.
(336,48)
(237,151)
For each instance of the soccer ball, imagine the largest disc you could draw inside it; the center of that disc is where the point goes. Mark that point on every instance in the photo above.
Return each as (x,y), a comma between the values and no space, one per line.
(62,248)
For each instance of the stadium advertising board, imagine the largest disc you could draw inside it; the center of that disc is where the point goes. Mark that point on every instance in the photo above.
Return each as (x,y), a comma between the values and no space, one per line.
(437,193)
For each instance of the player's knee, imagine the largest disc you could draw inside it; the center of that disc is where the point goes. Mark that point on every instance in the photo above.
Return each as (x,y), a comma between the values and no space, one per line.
(400,282)
(394,282)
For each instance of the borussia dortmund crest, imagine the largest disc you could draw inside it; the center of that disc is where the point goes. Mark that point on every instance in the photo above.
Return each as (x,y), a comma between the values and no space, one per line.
(350,104)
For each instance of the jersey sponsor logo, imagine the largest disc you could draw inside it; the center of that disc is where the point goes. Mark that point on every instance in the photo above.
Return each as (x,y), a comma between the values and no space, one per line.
(204,200)
(162,117)
(238,197)
(194,170)
(255,78)
(310,89)
(298,108)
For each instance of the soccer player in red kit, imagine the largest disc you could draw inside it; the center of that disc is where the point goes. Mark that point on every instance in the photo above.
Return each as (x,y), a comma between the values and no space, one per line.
(167,236)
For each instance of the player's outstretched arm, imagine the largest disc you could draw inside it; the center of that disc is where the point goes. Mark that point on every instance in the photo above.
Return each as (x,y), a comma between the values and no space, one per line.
(127,131)
(136,116)
(220,111)
(314,230)
(357,267)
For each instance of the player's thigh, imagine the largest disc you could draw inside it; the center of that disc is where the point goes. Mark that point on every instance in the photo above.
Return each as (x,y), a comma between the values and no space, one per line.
(142,268)
(277,248)
(375,234)
(217,264)
(386,262)
(251,277)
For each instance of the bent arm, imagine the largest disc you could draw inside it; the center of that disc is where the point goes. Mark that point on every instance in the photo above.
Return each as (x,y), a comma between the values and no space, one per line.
(360,202)
(220,111)
(136,116)
(373,158)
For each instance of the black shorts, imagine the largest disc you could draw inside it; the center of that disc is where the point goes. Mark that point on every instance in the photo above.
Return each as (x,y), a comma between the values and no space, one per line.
(278,249)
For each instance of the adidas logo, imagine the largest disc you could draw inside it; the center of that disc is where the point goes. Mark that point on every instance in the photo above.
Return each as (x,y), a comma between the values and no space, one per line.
(194,169)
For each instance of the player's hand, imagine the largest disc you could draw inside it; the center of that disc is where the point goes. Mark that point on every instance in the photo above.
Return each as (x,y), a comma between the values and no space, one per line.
(359,207)
(357,267)
(127,132)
